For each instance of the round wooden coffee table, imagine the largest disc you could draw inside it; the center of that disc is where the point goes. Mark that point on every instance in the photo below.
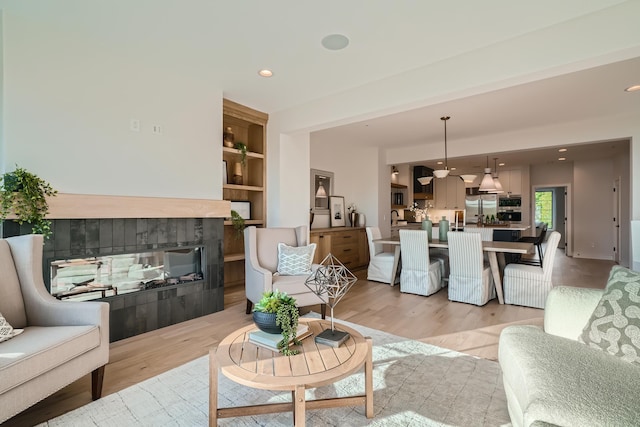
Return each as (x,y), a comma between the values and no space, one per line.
(245,363)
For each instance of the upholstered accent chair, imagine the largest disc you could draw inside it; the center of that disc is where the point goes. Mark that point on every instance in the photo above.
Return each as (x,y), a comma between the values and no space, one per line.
(470,279)
(380,262)
(420,275)
(61,341)
(529,285)
(261,266)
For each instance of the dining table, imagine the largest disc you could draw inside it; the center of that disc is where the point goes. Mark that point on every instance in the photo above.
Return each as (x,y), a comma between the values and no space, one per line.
(495,252)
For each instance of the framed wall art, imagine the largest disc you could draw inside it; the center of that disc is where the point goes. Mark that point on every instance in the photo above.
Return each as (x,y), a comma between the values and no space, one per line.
(336,205)
(243,208)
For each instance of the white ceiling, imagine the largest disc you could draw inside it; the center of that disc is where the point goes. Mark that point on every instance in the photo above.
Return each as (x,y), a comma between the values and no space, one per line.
(228,42)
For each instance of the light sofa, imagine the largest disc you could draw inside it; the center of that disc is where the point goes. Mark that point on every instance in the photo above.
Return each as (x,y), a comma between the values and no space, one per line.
(62,340)
(551,378)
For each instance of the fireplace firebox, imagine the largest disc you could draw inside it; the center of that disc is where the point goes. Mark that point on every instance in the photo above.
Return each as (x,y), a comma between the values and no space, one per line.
(153,272)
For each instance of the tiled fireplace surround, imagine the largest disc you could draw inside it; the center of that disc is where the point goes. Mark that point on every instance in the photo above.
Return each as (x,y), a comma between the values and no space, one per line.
(138,312)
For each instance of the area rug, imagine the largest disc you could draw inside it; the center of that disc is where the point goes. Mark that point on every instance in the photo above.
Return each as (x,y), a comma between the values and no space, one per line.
(415,384)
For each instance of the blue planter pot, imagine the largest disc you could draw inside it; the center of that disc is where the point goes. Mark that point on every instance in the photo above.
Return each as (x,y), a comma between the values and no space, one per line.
(266,322)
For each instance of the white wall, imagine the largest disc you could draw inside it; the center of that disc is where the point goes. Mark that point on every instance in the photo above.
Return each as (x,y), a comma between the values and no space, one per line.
(358,176)
(70,94)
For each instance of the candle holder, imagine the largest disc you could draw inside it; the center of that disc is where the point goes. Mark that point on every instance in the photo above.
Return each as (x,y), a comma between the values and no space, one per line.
(332,279)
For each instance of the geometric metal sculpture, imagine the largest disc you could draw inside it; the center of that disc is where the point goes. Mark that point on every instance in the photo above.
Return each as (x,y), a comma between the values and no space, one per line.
(332,279)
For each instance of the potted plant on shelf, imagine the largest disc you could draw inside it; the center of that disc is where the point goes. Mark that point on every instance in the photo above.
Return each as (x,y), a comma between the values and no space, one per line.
(25,194)
(238,223)
(277,313)
(242,147)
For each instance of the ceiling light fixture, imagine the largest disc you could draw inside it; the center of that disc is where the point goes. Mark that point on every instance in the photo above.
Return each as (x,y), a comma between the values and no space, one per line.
(496,181)
(562,150)
(425,180)
(487,183)
(632,88)
(442,173)
(394,171)
(335,42)
(468,178)
(265,73)
(562,158)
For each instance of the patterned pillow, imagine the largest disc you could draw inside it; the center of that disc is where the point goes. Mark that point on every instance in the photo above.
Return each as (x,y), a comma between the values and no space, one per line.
(295,260)
(614,325)
(6,330)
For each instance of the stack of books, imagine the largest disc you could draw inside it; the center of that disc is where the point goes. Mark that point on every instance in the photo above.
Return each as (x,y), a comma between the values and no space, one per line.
(270,341)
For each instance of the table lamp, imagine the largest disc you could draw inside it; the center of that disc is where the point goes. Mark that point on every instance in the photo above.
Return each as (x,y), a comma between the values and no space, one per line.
(332,279)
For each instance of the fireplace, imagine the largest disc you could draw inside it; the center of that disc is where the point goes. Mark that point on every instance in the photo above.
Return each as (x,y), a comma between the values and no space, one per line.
(151,296)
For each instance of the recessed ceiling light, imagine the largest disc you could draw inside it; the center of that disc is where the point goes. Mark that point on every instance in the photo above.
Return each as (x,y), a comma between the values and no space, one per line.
(562,150)
(335,42)
(500,164)
(562,158)
(632,88)
(439,163)
(265,73)
(452,169)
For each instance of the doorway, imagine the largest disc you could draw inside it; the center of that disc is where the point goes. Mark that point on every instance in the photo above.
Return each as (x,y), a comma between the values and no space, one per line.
(552,204)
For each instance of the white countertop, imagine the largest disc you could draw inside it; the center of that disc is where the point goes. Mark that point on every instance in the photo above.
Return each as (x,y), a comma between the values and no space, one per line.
(511,226)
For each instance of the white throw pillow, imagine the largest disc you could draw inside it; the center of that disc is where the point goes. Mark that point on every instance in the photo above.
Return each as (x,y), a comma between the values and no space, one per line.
(295,260)
(6,330)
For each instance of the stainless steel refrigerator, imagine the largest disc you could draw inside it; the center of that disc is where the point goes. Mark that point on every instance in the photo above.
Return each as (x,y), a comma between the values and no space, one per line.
(484,204)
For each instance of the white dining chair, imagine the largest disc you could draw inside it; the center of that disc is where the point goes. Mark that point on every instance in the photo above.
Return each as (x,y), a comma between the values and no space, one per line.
(529,285)
(486,233)
(381,263)
(420,275)
(470,278)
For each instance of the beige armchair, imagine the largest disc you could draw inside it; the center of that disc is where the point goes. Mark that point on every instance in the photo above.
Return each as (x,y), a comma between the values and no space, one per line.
(62,340)
(261,266)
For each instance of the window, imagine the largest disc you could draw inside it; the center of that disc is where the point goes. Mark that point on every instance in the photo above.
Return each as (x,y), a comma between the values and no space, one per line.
(544,207)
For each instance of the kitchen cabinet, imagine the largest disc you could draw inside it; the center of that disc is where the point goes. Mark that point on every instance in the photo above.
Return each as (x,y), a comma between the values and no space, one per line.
(349,245)
(511,181)
(399,196)
(449,193)
(422,192)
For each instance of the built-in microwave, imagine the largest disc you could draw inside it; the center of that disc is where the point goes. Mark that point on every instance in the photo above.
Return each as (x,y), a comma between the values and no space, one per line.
(510,215)
(510,202)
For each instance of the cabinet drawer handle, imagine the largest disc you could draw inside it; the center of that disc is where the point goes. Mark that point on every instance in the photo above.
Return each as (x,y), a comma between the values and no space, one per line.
(346,250)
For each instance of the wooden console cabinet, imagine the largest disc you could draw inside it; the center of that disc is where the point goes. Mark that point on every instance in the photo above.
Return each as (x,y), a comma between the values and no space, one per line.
(348,244)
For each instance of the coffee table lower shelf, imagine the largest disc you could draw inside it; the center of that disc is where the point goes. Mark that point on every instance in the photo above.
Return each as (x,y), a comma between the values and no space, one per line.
(253,366)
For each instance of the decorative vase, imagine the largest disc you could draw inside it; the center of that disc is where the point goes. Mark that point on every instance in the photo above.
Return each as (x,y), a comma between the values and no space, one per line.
(427,225)
(444,229)
(266,322)
(353,218)
(237,174)
(228,138)
(362,221)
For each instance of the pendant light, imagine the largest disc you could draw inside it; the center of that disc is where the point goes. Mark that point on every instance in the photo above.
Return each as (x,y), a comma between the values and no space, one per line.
(487,184)
(468,179)
(321,193)
(442,173)
(496,181)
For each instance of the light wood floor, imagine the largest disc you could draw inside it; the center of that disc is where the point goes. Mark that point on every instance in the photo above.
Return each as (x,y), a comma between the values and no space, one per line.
(432,319)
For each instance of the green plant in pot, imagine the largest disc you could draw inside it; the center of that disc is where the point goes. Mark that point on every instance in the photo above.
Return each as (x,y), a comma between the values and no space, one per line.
(25,195)
(277,313)
(238,223)
(243,152)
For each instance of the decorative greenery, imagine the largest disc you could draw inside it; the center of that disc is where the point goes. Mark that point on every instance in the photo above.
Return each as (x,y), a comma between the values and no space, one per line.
(24,194)
(286,317)
(243,152)
(353,208)
(238,223)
